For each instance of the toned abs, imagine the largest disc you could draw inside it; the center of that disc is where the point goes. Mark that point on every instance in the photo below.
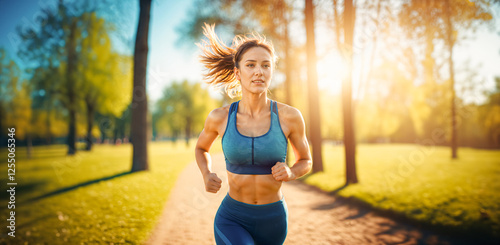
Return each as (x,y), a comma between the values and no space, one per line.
(254,189)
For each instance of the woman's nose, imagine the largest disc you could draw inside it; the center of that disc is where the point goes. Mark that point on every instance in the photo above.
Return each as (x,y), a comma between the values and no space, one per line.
(258,70)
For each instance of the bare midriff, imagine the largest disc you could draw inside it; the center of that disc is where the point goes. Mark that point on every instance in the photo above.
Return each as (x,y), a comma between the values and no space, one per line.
(254,189)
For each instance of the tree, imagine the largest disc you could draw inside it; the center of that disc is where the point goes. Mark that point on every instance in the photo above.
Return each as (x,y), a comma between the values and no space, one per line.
(449,42)
(182,110)
(430,21)
(106,75)
(491,116)
(336,19)
(349,139)
(71,66)
(15,101)
(20,112)
(388,102)
(138,128)
(312,80)
(4,92)
(54,47)
(71,60)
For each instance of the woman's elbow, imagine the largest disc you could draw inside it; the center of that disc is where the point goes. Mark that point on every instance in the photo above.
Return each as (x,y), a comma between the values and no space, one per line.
(309,166)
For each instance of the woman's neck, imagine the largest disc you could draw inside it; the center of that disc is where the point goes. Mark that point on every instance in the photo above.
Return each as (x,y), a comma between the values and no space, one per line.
(254,104)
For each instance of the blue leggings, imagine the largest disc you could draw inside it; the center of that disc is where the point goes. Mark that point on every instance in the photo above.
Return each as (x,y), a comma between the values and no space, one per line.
(238,223)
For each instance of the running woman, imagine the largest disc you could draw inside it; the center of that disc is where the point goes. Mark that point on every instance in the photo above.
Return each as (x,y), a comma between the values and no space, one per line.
(255,132)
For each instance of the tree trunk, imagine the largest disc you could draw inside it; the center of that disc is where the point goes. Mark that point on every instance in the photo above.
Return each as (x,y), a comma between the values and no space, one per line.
(337,25)
(450,42)
(138,126)
(102,129)
(29,145)
(70,83)
(429,62)
(47,123)
(90,124)
(365,83)
(288,61)
(3,129)
(121,129)
(312,80)
(189,122)
(115,131)
(349,139)
(286,49)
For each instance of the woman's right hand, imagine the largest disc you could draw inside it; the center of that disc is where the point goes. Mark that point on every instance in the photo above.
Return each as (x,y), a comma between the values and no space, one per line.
(212,182)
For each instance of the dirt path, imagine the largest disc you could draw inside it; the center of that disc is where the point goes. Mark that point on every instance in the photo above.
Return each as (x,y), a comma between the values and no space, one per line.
(315,217)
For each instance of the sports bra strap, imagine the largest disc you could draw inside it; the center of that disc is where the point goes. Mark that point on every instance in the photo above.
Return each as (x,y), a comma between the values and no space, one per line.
(232,108)
(275,106)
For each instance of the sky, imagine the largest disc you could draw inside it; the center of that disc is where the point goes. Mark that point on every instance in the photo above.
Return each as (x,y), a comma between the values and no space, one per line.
(168,61)
(13,13)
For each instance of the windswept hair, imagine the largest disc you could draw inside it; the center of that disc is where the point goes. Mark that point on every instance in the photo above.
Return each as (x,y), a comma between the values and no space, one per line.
(220,60)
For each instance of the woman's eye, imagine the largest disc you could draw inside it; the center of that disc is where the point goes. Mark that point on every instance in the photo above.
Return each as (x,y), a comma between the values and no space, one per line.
(251,65)
(266,66)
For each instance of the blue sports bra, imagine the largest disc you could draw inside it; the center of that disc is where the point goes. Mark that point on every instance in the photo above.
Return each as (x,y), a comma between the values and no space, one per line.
(253,155)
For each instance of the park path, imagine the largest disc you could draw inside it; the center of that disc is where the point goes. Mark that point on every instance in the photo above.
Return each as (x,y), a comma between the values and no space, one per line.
(315,217)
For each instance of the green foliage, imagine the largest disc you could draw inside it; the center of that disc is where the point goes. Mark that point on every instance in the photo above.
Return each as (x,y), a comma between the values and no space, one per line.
(100,82)
(48,112)
(422,183)
(15,101)
(71,199)
(106,76)
(423,18)
(491,116)
(224,13)
(182,110)
(386,105)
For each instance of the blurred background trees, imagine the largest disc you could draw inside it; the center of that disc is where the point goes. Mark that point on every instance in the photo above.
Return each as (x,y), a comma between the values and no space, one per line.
(15,102)
(73,67)
(182,110)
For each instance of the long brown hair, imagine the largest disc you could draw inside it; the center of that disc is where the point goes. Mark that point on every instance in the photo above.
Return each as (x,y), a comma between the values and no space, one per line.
(220,59)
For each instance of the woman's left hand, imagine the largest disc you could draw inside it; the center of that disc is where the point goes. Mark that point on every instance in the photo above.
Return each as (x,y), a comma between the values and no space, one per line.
(281,172)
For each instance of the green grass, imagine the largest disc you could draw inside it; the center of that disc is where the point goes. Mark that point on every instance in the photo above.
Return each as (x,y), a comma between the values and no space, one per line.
(423,184)
(91,197)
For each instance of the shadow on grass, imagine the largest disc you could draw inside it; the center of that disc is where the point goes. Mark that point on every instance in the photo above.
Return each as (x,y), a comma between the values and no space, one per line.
(21,189)
(70,188)
(339,189)
(429,233)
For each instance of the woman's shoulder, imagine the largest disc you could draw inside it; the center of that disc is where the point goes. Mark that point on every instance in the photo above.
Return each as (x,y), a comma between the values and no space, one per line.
(218,115)
(289,113)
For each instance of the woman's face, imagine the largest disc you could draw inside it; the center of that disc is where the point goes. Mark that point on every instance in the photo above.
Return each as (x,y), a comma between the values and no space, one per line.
(256,70)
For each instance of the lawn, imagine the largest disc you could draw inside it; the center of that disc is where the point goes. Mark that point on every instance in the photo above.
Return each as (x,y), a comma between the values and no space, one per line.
(422,183)
(90,197)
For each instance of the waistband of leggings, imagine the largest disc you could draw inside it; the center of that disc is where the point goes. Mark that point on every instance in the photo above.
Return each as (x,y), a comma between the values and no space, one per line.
(228,200)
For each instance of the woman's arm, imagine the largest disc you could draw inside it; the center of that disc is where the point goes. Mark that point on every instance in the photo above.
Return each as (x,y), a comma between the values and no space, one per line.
(203,145)
(298,140)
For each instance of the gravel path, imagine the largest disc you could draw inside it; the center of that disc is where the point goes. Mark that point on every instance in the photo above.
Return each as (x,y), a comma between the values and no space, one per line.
(315,217)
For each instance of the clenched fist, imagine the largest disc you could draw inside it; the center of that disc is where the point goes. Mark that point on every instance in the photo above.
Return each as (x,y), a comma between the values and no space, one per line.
(212,182)
(281,172)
